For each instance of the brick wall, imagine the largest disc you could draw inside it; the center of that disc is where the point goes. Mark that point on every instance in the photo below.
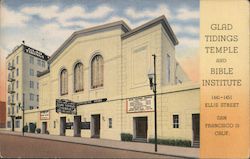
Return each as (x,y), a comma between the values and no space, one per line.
(2,114)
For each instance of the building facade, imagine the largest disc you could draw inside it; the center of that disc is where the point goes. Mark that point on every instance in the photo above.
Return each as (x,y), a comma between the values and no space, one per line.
(97,86)
(2,92)
(22,65)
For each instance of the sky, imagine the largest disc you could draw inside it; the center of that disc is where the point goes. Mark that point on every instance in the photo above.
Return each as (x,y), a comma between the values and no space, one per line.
(45,24)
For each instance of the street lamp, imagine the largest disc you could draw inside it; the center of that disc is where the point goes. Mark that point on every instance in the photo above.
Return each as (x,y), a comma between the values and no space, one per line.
(152,82)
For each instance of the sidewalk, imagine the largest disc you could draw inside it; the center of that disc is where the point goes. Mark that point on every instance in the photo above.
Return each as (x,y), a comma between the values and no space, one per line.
(131,146)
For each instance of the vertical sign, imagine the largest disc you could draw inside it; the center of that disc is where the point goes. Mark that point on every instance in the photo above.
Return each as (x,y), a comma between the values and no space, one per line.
(224,64)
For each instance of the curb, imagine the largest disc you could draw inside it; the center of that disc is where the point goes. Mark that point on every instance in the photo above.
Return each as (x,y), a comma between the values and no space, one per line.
(154,153)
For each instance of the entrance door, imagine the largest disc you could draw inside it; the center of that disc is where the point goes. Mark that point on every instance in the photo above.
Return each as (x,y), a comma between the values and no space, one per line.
(196,129)
(141,127)
(44,127)
(96,126)
(62,126)
(77,126)
(12,123)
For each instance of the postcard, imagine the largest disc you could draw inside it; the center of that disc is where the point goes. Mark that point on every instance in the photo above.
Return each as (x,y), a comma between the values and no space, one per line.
(124,79)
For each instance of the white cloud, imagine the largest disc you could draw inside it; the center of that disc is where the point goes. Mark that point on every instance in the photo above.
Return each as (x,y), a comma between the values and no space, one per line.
(161,9)
(187,14)
(64,17)
(188,29)
(44,12)
(188,42)
(10,18)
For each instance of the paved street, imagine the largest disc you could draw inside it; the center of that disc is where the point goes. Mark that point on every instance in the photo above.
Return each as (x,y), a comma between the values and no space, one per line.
(18,146)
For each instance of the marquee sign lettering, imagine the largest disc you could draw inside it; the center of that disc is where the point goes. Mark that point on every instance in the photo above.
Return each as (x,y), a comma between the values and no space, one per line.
(93,101)
(65,106)
(140,104)
(36,53)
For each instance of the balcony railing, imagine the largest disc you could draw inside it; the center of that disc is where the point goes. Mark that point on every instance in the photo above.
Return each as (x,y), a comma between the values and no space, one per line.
(11,79)
(10,67)
(11,91)
(11,103)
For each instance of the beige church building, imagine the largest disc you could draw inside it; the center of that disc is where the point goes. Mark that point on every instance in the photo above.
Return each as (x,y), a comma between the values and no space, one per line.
(97,86)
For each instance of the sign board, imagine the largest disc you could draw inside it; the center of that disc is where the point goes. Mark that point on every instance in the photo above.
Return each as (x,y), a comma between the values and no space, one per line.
(44,115)
(93,101)
(69,125)
(65,106)
(85,125)
(34,52)
(140,104)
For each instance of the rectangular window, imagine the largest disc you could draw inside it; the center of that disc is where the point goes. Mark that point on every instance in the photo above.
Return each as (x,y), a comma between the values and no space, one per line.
(168,69)
(37,98)
(110,122)
(17,109)
(39,62)
(175,121)
(17,59)
(31,107)
(31,97)
(31,59)
(31,84)
(37,85)
(17,97)
(13,74)
(43,63)
(9,124)
(12,62)
(13,110)
(16,84)
(8,110)
(17,72)
(54,124)
(31,72)
(17,124)
(12,98)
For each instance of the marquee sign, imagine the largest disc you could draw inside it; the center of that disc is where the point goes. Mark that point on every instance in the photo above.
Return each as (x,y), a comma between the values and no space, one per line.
(93,101)
(140,104)
(44,115)
(85,125)
(65,106)
(36,53)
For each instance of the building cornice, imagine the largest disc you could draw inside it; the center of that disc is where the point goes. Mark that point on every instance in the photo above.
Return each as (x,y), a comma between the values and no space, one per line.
(76,34)
(160,20)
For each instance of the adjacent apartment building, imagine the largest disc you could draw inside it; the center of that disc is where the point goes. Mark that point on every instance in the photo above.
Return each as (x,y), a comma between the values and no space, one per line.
(22,65)
(97,86)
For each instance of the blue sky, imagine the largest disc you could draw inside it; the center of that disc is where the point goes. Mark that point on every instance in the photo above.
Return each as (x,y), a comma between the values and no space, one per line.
(46,24)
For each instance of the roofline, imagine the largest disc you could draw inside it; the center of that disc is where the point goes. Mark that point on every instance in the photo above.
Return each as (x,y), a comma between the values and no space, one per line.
(121,23)
(26,46)
(163,20)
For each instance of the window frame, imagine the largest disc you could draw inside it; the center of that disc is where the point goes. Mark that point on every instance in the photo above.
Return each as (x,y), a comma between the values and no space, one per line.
(78,86)
(64,91)
(176,121)
(98,82)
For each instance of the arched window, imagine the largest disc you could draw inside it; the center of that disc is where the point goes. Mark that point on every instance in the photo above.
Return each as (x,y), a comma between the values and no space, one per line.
(78,77)
(97,69)
(64,82)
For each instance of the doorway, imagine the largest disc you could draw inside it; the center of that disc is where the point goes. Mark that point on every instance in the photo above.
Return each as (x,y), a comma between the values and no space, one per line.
(95,120)
(196,129)
(44,127)
(77,126)
(62,126)
(12,123)
(141,127)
